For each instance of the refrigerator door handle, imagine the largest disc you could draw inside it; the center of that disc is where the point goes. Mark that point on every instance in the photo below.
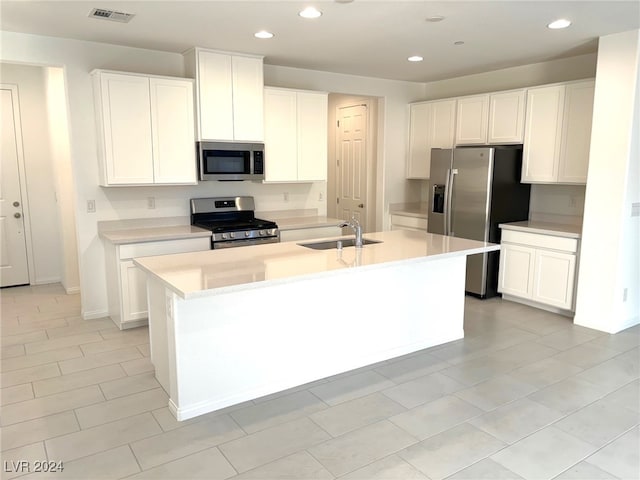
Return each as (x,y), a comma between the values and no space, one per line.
(448,195)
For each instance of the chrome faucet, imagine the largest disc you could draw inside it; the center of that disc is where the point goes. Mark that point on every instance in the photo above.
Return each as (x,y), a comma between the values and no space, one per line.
(357,229)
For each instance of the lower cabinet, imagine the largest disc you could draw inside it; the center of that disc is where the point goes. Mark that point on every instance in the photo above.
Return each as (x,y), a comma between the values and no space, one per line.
(297,234)
(406,222)
(126,283)
(538,269)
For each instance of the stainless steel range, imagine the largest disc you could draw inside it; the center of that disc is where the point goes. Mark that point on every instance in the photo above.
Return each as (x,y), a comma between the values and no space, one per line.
(232,222)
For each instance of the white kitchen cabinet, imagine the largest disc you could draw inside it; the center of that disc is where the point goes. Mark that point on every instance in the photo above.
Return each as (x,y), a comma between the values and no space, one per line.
(229,95)
(472,120)
(495,118)
(558,133)
(506,117)
(145,129)
(126,283)
(431,125)
(295,135)
(538,269)
(408,222)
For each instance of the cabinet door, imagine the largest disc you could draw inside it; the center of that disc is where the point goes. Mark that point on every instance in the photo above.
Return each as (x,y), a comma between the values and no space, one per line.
(442,126)
(134,291)
(127,129)
(215,96)
(554,277)
(418,162)
(281,155)
(472,120)
(576,132)
(516,270)
(506,117)
(543,130)
(312,136)
(248,100)
(173,131)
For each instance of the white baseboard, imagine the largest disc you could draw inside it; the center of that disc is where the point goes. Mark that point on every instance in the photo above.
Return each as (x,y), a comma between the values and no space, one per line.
(541,306)
(72,290)
(46,281)
(95,314)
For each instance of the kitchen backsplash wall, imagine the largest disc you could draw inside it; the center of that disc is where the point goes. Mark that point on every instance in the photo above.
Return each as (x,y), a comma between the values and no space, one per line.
(132,202)
(557,203)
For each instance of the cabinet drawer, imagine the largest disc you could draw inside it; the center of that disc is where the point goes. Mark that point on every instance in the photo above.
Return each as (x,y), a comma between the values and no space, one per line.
(165,247)
(411,222)
(539,240)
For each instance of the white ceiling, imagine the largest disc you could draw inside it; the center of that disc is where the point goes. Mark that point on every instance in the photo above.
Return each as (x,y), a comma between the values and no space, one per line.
(365,37)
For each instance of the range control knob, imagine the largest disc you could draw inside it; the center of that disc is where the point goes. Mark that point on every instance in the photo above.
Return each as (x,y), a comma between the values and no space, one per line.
(224,236)
(246,234)
(232,235)
(261,232)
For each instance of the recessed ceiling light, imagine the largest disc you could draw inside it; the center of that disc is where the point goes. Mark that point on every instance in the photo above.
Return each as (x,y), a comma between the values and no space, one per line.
(263,34)
(310,12)
(415,58)
(561,23)
(435,18)
(459,42)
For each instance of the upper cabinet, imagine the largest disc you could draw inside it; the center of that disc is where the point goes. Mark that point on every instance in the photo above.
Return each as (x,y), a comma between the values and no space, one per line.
(472,120)
(431,125)
(229,95)
(145,129)
(496,118)
(558,133)
(295,123)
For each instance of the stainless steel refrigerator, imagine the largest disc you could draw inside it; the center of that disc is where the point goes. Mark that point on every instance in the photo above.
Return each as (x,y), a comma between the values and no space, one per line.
(471,191)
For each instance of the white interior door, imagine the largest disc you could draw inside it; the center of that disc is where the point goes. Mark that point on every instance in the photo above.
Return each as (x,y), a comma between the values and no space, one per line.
(13,248)
(352,163)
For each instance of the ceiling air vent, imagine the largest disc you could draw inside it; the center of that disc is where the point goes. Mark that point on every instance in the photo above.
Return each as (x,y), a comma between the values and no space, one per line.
(112,15)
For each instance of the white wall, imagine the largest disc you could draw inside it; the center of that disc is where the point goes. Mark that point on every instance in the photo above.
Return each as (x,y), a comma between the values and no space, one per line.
(610,239)
(562,70)
(59,144)
(38,156)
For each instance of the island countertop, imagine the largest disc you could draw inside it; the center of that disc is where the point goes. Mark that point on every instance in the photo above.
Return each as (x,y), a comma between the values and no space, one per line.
(214,272)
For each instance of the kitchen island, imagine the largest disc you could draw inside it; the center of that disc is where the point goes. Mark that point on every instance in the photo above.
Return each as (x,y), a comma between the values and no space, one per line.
(232,325)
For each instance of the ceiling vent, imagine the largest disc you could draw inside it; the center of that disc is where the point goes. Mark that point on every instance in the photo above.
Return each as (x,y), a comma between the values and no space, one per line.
(112,15)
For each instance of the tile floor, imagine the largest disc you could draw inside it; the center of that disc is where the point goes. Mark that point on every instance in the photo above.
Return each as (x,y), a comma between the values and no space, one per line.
(525,395)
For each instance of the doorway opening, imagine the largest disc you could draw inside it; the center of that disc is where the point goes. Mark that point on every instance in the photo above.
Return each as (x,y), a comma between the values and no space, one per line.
(47,200)
(352,176)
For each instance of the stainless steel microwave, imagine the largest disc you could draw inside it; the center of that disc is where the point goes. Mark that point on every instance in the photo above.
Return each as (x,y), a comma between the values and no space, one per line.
(230,161)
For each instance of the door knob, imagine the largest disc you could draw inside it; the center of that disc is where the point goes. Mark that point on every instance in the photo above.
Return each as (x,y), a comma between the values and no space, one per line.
(17,215)
(16,204)
(361,205)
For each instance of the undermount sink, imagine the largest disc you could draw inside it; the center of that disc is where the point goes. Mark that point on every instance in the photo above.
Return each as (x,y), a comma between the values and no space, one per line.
(329,244)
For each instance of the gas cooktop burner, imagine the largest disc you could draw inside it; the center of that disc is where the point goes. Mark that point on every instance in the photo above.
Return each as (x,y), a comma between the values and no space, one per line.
(232,222)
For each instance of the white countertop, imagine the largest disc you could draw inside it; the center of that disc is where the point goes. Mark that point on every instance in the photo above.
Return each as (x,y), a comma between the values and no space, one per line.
(545,228)
(419,210)
(213,272)
(150,234)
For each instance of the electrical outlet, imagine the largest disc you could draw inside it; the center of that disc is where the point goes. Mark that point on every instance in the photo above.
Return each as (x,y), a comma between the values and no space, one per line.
(91,206)
(151,202)
(286,196)
(624,294)
(320,197)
